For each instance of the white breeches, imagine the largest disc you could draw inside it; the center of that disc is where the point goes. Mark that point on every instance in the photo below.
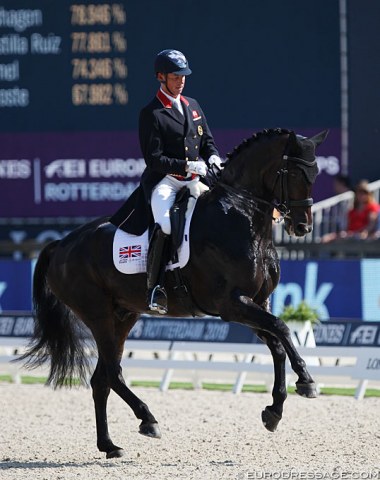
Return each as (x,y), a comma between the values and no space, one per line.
(163,196)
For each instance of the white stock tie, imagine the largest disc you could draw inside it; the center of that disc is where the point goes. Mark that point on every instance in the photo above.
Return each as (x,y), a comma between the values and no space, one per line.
(176,104)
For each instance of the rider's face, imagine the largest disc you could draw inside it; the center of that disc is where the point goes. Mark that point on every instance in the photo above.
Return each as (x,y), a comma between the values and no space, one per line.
(174,83)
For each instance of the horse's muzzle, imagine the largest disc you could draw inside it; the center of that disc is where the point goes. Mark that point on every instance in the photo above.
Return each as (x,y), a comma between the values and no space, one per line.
(299,229)
(302,229)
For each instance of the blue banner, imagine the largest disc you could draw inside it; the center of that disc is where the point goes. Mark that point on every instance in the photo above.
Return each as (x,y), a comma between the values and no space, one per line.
(332,287)
(350,334)
(207,329)
(335,288)
(210,329)
(15,285)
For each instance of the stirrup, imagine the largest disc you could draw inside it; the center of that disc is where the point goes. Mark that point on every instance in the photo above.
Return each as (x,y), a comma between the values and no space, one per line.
(158,301)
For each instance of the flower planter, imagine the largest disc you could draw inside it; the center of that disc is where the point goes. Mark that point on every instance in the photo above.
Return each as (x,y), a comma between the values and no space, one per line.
(303,336)
(302,333)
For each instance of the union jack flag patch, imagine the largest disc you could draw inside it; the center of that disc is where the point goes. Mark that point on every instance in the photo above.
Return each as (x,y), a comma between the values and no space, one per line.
(129,253)
(196,115)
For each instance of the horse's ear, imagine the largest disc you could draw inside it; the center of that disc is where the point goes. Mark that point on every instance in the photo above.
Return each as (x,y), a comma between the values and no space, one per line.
(294,140)
(319,137)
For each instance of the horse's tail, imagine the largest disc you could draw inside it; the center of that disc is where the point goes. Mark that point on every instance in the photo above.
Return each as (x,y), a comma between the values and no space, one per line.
(56,335)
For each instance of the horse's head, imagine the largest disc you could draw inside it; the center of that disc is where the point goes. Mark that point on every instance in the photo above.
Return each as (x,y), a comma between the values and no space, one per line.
(276,168)
(294,182)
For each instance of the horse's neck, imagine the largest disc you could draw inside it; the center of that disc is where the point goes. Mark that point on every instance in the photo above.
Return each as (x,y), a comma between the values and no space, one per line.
(244,174)
(249,162)
(258,214)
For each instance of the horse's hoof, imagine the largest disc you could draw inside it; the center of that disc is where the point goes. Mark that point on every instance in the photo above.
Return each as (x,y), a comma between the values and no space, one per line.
(150,430)
(270,419)
(307,390)
(119,452)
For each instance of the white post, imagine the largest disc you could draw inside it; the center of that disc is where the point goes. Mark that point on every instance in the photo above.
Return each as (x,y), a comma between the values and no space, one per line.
(165,382)
(360,390)
(239,382)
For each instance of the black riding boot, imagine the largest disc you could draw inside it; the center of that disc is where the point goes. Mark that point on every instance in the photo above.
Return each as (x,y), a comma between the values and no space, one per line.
(156,264)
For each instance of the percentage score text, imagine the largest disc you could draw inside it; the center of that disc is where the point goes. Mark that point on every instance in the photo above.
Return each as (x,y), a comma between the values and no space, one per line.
(118,13)
(119,41)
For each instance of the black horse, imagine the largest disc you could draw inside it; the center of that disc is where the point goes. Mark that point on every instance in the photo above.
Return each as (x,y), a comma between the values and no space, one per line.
(232,271)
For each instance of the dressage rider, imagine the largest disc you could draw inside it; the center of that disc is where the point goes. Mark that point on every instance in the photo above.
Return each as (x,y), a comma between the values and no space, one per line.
(178,149)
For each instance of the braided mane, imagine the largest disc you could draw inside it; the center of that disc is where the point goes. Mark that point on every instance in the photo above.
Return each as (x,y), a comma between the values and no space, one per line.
(254,138)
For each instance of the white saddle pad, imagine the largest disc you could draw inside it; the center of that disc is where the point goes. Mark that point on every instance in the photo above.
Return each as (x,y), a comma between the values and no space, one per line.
(130,252)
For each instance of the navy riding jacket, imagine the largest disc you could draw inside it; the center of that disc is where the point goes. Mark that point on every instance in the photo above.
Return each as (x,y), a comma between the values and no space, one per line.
(167,140)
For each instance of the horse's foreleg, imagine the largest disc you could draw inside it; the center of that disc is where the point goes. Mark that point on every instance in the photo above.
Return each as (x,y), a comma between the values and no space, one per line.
(100,392)
(273,413)
(242,309)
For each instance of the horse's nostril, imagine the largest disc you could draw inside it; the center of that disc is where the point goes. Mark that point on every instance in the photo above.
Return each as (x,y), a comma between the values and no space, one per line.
(302,229)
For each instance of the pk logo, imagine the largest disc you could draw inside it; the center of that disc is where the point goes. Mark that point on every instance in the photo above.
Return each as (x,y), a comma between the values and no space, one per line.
(313,294)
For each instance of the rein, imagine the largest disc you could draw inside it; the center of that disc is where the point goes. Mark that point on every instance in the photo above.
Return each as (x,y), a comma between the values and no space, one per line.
(253,200)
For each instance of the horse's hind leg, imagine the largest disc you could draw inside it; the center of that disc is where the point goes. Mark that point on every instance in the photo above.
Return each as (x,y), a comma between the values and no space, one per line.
(100,392)
(273,413)
(110,342)
(110,338)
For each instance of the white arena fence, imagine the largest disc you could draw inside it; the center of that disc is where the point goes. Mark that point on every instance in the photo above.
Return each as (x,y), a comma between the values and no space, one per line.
(352,363)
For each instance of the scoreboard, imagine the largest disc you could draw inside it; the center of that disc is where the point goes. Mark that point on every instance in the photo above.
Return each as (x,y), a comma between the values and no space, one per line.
(62,57)
(70,146)
(75,74)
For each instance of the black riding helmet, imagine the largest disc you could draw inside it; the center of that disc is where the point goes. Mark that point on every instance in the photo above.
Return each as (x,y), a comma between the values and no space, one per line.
(171,61)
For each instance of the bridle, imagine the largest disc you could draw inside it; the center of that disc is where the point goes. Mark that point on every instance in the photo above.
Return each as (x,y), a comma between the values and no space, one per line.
(284,205)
